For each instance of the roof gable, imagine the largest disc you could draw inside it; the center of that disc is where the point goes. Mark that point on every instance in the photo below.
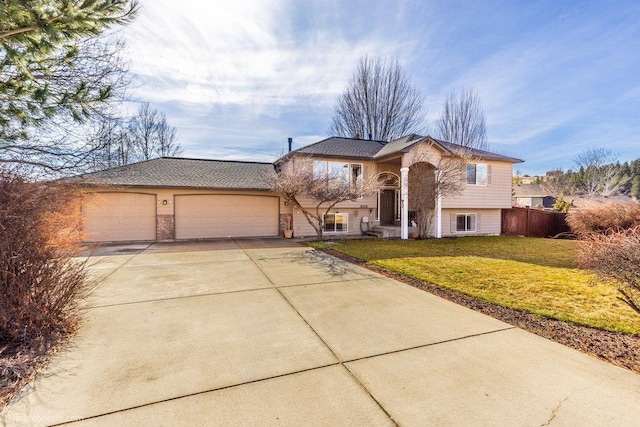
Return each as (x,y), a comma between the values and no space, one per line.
(404,145)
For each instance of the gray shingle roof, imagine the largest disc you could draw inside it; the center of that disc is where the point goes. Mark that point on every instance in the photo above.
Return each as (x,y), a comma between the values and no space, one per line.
(180,172)
(342,147)
(529,190)
(398,145)
(406,142)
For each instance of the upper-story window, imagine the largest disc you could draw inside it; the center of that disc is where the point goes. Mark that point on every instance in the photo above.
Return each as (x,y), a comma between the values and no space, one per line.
(477,173)
(348,172)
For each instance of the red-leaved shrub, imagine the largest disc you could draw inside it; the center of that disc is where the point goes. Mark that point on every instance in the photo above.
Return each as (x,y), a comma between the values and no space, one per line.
(41,284)
(604,217)
(615,255)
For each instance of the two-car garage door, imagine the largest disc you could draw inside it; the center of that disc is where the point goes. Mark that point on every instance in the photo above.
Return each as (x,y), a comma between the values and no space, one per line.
(205,216)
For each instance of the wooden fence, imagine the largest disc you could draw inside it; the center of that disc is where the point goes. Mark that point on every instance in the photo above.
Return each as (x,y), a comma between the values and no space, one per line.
(533,223)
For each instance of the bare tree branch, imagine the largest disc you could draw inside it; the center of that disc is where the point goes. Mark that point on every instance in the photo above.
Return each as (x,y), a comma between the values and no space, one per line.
(296,182)
(462,121)
(380,102)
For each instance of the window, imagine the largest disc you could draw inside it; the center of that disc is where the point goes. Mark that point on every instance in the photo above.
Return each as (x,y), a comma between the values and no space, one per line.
(465,222)
(477,173)
(319,169)
(356,174)
(335,223)
(339,171)
(349,173)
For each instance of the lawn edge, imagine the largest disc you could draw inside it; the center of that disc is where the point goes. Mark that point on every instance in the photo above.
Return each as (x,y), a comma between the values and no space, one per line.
(618,348)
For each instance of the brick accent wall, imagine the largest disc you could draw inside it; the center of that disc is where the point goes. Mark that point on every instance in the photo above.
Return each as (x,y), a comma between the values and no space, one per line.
(165,228)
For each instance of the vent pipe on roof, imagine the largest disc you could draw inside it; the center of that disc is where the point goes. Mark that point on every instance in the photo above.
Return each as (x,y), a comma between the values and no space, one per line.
(290,143)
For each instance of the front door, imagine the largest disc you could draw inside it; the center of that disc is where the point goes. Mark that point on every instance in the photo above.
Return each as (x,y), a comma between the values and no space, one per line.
(387,207)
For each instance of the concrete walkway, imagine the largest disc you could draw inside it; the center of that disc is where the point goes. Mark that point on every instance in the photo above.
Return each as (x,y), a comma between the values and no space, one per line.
(267,332)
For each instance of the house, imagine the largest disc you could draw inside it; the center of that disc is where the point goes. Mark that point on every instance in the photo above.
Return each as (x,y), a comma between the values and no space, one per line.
(532,196)
(176,198)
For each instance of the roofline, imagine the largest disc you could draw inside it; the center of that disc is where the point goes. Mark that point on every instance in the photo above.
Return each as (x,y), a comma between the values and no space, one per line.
(107,185)
(293,152)
(209,160)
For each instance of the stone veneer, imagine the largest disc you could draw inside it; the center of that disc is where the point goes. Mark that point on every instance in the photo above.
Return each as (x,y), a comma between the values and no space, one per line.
(165,227)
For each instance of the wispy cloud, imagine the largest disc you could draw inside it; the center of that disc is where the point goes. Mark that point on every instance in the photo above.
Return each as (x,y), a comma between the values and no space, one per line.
(238,77)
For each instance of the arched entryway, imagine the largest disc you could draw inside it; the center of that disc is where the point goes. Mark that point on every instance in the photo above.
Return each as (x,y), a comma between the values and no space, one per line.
(422,197)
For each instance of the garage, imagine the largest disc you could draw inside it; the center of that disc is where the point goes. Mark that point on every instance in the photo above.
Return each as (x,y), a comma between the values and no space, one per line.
(117,217)
(225,215)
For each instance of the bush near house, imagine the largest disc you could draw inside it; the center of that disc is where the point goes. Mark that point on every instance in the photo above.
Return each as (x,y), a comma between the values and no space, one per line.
(39,231)
(610,245)
(604,217)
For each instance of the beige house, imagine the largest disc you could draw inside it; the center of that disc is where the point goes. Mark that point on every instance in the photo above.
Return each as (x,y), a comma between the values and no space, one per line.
(476,210)
(175,198)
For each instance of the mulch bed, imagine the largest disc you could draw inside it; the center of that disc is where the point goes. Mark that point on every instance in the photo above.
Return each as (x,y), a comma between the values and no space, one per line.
(614,347)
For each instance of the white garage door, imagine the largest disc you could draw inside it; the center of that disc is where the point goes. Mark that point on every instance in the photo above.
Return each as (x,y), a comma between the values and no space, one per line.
(114,217)
(210,216)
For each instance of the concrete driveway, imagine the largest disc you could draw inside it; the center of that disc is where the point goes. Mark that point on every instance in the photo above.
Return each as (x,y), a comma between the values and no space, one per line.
(268,332)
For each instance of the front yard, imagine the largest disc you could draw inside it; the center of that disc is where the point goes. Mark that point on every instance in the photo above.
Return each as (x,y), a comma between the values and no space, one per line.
(538,276)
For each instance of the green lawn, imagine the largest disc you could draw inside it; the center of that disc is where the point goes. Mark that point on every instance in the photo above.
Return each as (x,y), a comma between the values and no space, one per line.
(535,275)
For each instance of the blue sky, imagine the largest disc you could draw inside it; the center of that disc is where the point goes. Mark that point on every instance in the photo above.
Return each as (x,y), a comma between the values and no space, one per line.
(236,78)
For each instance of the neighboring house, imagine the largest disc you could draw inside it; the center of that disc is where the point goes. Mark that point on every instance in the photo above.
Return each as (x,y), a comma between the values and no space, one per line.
(532,196)
(171,198)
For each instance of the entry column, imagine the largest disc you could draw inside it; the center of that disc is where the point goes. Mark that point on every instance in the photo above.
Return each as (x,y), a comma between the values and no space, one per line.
(404,202)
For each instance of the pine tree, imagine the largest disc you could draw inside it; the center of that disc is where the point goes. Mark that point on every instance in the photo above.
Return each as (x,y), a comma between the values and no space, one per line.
(635,187)
(41,46)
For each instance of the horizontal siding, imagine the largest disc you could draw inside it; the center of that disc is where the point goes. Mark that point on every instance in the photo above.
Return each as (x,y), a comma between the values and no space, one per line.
(489,220)
(495,195)
(302,228)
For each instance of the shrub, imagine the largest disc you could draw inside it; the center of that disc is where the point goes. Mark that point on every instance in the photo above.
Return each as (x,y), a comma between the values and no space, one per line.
(615,255)
(604,217)
(41,284)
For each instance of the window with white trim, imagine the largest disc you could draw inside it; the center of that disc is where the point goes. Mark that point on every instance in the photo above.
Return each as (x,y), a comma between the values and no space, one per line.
(465,222)
(477,173)
(348,172)
(335,223)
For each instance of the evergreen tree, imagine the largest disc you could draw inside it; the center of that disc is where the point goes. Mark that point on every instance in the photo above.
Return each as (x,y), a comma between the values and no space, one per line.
(45,69)
(635,187)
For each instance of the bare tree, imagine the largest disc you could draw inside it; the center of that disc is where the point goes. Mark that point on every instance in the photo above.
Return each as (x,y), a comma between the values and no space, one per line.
(301,186)
(111,145)
(462,121)
(167,144)
(151,136)
(433,176)
(380,102)
(557,183)
(597,172)
(142,129)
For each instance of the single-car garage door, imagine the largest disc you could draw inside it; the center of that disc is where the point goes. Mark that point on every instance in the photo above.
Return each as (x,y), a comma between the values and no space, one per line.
(210,216)
(113,217)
